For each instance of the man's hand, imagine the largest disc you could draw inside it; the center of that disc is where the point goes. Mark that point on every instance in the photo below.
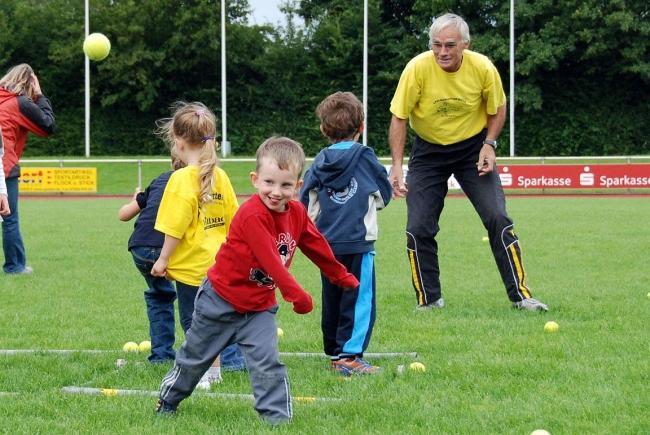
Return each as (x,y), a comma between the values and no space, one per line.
(397,181)
(4,206)
(486,160)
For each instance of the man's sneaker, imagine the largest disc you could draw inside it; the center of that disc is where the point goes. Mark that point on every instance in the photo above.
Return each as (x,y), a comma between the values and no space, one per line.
(212,376)
(354,366)
(530,304)
(440,303)
(164,408)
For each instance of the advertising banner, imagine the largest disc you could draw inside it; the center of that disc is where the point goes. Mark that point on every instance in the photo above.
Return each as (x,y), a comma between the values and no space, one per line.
(81,180)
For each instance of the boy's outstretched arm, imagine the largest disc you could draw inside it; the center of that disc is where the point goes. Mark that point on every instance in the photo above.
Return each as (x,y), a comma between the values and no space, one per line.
(315,247)
(262,243)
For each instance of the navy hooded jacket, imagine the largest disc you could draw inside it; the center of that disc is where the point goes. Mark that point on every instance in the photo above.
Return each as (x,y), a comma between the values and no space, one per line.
(343,189)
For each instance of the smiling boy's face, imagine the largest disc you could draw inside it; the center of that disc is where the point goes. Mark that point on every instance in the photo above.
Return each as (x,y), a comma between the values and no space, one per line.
(275,186)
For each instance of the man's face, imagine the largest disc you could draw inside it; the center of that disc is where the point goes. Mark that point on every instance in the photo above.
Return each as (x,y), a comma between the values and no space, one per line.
(448,49)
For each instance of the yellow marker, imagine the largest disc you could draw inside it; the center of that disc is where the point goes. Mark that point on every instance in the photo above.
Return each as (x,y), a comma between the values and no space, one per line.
(304,399)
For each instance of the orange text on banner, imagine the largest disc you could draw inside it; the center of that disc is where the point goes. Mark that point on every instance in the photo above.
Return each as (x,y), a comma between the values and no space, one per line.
(58,180)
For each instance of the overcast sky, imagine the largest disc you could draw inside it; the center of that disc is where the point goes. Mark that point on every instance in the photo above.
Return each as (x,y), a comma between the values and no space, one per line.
(266,11)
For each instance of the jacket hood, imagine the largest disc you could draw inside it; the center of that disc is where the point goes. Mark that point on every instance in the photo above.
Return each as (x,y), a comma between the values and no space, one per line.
(336,167)
(6,95)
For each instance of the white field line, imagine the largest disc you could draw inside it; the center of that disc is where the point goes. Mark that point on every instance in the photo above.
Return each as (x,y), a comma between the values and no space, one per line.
(56,351)
(366,354)
(287,354)
(110,392)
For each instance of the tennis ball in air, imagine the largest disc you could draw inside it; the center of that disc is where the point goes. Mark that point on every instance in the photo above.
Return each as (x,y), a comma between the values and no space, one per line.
(540,432)
(485,239)
(280,332)
(417,367)
(648,295)
(130,346)
(551,326)
(144,346)
(97,46)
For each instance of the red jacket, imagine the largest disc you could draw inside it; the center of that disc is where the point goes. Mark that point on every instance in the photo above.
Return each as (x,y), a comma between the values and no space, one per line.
(18,116)
(257,254)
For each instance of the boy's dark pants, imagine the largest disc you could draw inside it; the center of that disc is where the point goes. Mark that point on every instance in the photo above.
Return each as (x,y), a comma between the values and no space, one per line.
(215,325)
(430,166)
(348,316)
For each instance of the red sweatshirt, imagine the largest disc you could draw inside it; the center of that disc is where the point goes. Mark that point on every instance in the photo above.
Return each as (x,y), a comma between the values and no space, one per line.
(257,254)
(18,116)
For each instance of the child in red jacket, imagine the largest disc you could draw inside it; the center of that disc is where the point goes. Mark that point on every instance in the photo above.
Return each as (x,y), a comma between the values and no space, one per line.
(237,304)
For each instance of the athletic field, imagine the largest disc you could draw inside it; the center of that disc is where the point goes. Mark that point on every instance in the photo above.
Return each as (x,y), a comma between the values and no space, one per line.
(489,368)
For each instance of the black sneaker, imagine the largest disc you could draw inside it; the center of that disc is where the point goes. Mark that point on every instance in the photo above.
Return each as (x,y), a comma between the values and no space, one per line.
(164,408)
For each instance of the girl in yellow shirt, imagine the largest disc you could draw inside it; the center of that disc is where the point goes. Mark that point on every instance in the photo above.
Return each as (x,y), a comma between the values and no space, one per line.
(196,209)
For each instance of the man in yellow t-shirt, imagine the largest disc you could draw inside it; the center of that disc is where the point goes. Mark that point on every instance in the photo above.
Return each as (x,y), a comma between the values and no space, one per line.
(454,100)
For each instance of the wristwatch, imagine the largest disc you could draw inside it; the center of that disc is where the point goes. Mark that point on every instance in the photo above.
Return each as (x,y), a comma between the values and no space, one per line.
(492,143)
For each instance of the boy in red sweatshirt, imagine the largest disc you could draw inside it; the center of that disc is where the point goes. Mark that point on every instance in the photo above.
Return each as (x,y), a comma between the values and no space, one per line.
(236,303)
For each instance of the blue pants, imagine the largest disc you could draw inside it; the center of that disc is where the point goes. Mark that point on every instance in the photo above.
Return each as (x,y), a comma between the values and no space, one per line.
(12,241)
(159,297)
(348,316)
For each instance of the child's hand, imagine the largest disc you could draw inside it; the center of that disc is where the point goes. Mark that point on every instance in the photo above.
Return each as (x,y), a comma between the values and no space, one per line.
(159,268)
(350,282)
(303,305)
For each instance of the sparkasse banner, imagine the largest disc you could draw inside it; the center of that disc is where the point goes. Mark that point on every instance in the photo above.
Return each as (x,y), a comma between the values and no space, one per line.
(599,176)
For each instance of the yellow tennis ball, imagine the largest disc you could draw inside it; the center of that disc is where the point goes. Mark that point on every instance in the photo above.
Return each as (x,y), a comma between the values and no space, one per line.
(280,332)
(130,346)
(144,346)
(551,326)
(97,46)
(540,432)
(108,392)
(417,367)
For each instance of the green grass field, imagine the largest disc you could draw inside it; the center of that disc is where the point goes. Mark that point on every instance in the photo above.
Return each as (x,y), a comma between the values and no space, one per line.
(490,369)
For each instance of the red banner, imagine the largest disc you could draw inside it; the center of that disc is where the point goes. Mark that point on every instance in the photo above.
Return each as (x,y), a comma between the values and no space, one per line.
(598,176)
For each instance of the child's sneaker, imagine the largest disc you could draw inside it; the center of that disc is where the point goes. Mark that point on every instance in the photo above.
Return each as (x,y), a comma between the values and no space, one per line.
(164,408)
(212,376)
(354,366)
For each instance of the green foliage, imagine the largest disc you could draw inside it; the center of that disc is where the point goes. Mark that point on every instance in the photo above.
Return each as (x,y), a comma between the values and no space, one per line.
(164,51)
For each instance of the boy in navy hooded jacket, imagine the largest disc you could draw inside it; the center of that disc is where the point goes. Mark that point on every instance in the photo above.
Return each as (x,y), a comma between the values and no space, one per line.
(342,190)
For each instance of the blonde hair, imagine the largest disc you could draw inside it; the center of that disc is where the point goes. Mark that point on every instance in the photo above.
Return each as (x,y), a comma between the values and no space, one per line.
(19,80)
(197,126)
(177,160)
(287,153)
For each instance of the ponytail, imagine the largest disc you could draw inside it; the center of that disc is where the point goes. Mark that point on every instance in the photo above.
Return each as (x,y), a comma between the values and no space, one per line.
(207,163)
(197,126)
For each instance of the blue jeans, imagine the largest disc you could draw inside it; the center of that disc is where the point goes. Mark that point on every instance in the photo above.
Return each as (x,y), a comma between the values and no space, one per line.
(12,241)
(232,358)
(159,297)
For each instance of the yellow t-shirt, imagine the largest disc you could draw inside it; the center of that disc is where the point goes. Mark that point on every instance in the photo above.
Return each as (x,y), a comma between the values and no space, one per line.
(201,230)
(445,108)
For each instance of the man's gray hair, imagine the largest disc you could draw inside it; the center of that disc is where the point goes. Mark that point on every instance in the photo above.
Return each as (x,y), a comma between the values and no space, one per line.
(449,20)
